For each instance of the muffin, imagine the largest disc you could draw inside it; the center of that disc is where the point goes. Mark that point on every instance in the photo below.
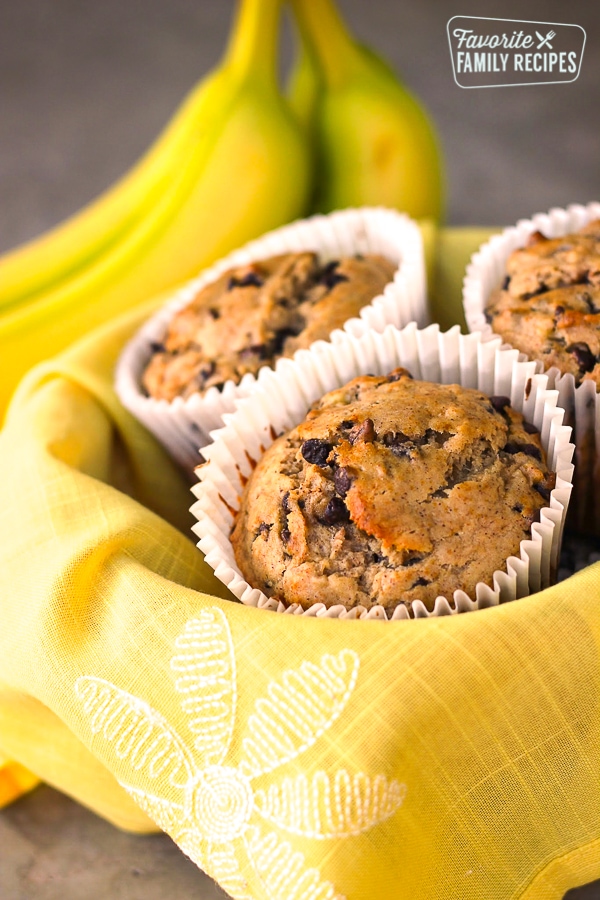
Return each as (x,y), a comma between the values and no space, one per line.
(391,491)
(537,285)
(187,388)
(549,303)
(255,313)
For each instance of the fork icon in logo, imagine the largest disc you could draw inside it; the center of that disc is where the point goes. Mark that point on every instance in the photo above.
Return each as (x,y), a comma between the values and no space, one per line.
(545,40)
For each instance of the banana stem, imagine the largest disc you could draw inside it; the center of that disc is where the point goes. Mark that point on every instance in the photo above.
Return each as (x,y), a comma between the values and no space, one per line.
(252,48)
(324,30)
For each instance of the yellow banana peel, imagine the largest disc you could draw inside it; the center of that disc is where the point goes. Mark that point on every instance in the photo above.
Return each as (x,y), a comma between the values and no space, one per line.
(246,172)
(36,267)
(375,144)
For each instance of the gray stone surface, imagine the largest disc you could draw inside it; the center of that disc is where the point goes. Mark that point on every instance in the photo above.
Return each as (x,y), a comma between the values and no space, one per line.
(53,849)
(84,89)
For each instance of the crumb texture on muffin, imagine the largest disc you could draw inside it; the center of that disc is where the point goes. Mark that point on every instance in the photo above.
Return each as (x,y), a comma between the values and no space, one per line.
(391,490)
(256,313)
(549,303)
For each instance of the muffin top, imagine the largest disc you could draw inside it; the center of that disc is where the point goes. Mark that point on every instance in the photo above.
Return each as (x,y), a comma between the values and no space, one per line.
(549,304)
(256,313)
(391,490)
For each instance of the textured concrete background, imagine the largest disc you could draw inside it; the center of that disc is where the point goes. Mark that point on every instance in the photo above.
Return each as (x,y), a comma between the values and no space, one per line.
(84,88)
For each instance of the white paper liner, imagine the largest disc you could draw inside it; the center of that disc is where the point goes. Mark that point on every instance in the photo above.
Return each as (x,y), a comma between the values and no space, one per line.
(484,275)
(281,401)
(183,425)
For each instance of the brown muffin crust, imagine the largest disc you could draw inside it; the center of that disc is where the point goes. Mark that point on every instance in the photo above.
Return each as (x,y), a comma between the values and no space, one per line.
(256,313)
(549,304)
(391,490)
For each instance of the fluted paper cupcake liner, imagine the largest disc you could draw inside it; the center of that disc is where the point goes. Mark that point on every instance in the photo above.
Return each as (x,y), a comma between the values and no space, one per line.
(281,401)
(581,404)
(183,425)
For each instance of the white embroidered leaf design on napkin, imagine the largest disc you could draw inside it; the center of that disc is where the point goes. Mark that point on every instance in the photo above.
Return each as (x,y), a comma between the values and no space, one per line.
(206,800)
(298,710)
(327,806)
(205,668)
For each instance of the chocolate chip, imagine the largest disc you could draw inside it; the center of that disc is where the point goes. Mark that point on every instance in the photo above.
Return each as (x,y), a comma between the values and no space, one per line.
(376,557)
(335,512)
(214,313)
(157,347)
(251,279)
(334,279)
(393,438)
(584,356)
(530,428)
(506,283)
(590,304)
(500,403)
(260,350)
(347,423)
(543,289)
(285,504)
(264,528)
(559,310)
(315,451)
(420,582)
(329,277)
(342,481)
(542,489)
(535,237)
(281,336)
(399,443)
(285,535)
(529,449)
(546,486)
(399,373)
(363,432)
(518,508)
(205,372)
(512,447)
(413,561)
(438,438)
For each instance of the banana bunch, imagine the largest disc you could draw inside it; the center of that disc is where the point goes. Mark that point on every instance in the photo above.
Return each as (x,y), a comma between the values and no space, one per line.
(374,143)
(232,164)
(236,160)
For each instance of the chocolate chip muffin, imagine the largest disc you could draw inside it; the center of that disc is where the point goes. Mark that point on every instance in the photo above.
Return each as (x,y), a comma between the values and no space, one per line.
(256,313)
(391,490)
(549,304)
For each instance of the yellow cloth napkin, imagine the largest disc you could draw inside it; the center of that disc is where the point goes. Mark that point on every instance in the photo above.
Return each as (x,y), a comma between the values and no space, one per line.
(291,758)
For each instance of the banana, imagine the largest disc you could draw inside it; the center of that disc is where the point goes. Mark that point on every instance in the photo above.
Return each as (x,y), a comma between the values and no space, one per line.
(37,266)
(304,86)
(245,174)
(374,142)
